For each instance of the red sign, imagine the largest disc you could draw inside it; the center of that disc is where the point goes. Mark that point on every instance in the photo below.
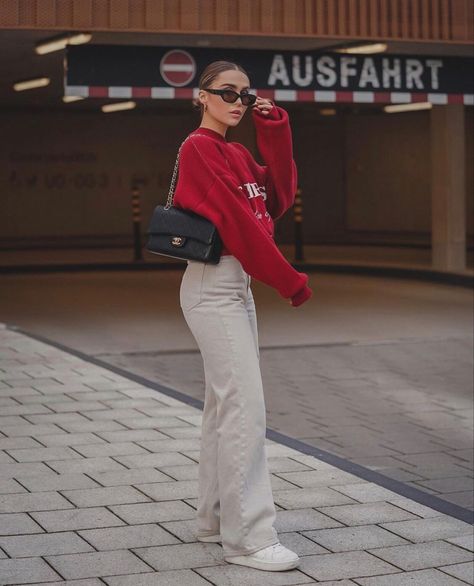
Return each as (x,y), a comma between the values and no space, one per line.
(177,67)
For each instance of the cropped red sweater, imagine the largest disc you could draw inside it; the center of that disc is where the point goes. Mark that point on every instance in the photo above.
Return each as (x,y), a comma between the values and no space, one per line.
(221,181)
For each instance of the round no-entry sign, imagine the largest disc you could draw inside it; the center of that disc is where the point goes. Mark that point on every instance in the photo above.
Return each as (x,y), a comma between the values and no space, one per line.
(177,67)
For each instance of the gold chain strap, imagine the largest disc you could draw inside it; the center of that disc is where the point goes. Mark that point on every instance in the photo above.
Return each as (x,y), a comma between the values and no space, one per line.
(169,201)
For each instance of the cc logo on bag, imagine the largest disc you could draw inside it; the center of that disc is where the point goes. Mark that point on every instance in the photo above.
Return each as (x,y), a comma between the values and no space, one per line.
(177,241)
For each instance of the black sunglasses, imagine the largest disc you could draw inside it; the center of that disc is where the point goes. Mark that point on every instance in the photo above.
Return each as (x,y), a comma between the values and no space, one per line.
(230,96)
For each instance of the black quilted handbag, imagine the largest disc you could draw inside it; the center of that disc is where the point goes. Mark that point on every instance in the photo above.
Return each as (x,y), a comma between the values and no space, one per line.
(182,233)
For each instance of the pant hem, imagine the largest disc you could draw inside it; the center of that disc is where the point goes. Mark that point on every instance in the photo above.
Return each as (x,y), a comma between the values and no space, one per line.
(207,534)
(272,541)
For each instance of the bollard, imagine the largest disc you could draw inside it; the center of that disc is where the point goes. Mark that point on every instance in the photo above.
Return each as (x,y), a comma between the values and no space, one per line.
(298,220)
(137,238)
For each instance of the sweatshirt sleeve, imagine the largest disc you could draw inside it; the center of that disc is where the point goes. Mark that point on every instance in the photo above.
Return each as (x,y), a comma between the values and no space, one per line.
(209,188)
(274,142)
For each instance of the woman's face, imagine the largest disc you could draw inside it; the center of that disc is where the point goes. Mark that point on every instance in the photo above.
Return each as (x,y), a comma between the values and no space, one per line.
(216,107)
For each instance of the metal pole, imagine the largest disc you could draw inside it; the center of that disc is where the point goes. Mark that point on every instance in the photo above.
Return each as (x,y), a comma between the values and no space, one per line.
(298,221)
(137,238)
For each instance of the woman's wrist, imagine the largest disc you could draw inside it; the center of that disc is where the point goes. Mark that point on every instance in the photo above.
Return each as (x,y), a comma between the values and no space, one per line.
(301,296)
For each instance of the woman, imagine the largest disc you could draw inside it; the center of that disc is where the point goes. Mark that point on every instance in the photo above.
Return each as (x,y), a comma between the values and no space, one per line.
(221,181)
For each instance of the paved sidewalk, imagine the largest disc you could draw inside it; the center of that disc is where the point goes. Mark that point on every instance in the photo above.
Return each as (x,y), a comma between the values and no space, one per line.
(98,485)
(400,407)
(376,370)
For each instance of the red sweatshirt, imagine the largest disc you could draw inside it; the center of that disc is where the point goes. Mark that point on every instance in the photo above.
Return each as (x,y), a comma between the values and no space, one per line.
(221,181)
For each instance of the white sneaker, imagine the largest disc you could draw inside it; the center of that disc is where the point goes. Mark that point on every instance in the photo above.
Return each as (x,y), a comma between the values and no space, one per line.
(274,558)
(216,538)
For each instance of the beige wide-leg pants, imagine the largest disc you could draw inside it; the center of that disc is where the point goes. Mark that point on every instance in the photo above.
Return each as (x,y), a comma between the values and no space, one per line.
(235,495)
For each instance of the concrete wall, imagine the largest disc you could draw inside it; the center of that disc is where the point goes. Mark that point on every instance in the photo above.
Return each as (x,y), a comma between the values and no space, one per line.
(66,177)
(366,177)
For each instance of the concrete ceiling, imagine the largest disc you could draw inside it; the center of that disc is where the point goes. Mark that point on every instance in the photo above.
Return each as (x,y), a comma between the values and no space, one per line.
(18,60)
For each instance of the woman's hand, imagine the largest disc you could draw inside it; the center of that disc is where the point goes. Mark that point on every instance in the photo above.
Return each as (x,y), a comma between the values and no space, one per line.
(263,104)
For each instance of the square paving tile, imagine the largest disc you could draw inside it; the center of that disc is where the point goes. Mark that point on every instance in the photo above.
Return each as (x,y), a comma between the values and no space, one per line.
(365,514)
(417,578)
(128,537)
(168,578)
(429,529)
(464,571)
(20,546)
(181,556)
(97,564)
(300,498)
(418,556)
(336,566)
(354,538)
(26,571)
(234,575)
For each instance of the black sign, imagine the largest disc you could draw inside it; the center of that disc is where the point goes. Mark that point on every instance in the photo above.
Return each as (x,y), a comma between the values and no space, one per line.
(118,66)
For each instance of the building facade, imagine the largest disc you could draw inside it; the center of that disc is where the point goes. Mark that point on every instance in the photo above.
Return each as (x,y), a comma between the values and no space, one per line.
(367,175)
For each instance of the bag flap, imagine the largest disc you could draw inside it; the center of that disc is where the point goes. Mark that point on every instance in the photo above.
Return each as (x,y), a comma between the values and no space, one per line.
(177,222)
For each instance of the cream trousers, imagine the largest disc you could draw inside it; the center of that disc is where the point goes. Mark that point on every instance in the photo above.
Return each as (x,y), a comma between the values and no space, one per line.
(235,495)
